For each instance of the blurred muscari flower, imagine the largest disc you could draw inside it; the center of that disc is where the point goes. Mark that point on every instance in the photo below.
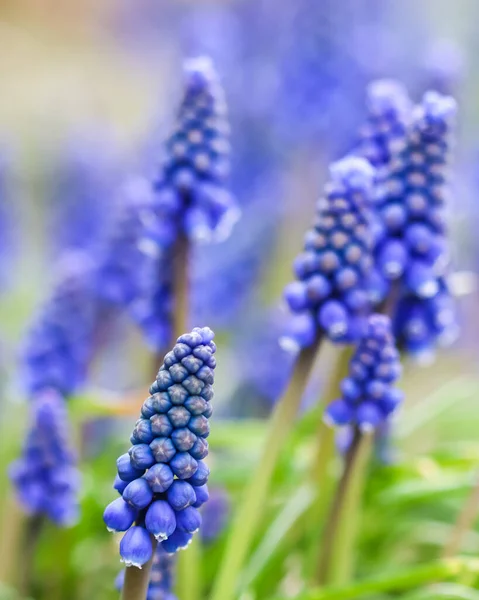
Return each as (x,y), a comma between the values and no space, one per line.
(59,341)
(162,479)
(384,133)
(368,396)
(190,193)
(82,189)
(331,294)
(215,515)
(443,66)
(161,576)
(412,248)
(45,476)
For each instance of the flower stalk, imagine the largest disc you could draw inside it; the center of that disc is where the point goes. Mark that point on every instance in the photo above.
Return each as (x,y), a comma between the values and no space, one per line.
(255,500)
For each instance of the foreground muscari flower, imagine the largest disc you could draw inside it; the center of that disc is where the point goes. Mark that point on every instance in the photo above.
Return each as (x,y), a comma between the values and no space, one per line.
(59,342)
(45,476)
(368,396)
(161,576)
(330,295)
(162,479)
(190,193)
(384,133)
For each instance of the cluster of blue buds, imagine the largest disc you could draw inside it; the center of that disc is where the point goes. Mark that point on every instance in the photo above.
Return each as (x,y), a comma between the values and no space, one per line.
(190,194)
(331,294)
(384,133)
(368,395)
(162,479)
(59,343)
(45,476)
(161,576)
(412,247)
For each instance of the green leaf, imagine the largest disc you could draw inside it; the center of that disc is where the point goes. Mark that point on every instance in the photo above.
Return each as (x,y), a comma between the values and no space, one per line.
(298,504)
(452,591)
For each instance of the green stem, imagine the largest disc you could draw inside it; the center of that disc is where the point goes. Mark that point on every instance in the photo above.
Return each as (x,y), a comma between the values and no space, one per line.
(189,571)
(321,472)
(13,525)
(135,586)
(441,570)
(33,528)
(464,522)
(337,556)
(255,501)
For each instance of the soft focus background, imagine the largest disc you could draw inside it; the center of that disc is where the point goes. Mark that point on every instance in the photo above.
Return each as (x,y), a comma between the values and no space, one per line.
(89,91)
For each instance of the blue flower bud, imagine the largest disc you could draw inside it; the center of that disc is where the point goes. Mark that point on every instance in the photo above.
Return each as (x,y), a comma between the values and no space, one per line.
(161,425)
(338,413)
(160,519)
(141,456)
(159,477)
(183,465)
(163,449)
(126,471)
(183,439)
(177,541)
(201,475)
(138,493)
(119,516)
(135,547)
(188,520)
(202,495)
(119,485)
(181,494)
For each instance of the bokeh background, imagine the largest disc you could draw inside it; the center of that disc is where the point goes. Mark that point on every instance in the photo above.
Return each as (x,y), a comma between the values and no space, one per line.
(89,92)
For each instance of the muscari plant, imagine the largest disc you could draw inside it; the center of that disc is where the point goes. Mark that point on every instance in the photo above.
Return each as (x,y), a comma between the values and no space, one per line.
(378,241)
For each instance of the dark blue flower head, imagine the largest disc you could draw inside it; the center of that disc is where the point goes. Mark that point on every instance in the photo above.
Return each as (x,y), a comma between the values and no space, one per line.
(162,479)
(331,294)
(59,342)
(368,395)
(190,193)
(45,476)
(161,576)
(384,133)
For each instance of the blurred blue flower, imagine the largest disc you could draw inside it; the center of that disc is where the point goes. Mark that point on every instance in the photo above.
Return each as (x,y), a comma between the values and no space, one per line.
(215,515)
(330,295)
(162,479)
(368,396)
(45,476)
(59,342)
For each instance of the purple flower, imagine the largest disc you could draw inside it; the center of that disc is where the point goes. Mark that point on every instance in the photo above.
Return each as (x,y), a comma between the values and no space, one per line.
(164,470)
(45,476)
(215,515)
(59,342)
(190,193)
(368,396)
(331,294)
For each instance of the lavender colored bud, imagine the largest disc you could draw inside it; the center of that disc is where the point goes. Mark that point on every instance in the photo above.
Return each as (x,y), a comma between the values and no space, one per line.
(200,449)
(163,380)
(141,456)
(202,495)
(159,477)
(181,494)
(119,516)
(338,413)
(163,449)
(301,333)
(177,541)
(350,389)
(188,520)
(199,426)
(368,416)
(183,465)
(333,318)
(296,296)
(421,280)
(390,402)
(183,439)
(126,471)
(160,520)
(201,475)
(135,547)
(392,259)
(138,493)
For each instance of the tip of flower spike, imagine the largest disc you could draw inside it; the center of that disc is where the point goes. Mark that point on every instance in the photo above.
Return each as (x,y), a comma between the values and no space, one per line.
(353,172)
(199,72)
(386,95)
(437,107)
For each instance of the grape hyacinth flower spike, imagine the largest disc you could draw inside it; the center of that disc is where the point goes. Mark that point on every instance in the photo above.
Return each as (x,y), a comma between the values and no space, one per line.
(331,294)
(190,193)
(162,479)
(45,476)
(368,396)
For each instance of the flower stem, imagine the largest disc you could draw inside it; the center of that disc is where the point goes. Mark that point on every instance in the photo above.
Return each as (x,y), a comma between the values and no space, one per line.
(464,522)
(324,455)
(12,527)
(135,586)
(31,536)
(255,500)
(336,562)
